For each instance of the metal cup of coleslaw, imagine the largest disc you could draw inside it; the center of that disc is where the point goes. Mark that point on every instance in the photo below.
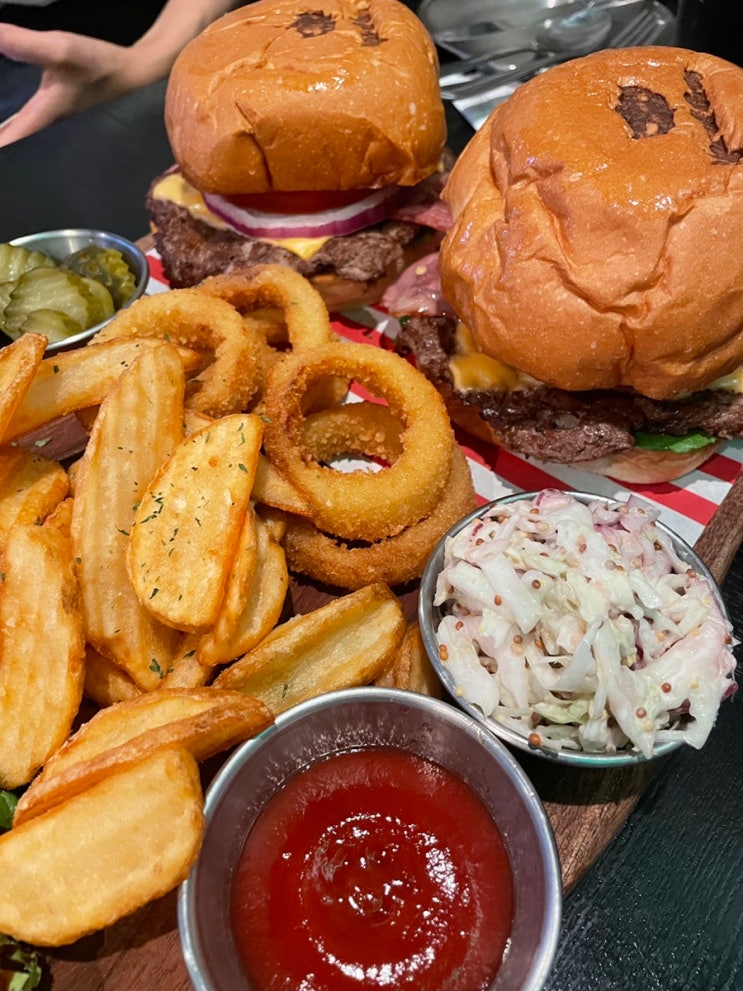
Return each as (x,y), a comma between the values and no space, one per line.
(622,702)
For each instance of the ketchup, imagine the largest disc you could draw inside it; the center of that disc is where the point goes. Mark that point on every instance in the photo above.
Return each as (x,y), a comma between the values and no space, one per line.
(373,868)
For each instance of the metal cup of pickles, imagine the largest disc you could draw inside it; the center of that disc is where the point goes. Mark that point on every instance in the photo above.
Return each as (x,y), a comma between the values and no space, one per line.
(67,284)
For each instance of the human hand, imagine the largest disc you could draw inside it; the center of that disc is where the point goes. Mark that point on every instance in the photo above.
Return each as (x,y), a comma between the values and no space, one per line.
(78,72)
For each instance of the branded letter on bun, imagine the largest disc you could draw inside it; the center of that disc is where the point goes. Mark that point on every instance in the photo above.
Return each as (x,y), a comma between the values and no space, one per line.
(305,134)
(596,259)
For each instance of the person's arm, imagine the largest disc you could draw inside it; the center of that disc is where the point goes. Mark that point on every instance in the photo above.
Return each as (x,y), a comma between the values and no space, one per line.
(79,72)
(152,56)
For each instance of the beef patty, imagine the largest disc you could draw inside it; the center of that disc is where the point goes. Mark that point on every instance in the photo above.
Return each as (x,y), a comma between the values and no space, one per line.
(565,427)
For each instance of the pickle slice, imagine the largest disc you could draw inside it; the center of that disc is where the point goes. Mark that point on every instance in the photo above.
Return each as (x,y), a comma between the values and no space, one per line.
(105,265)
(6,288)
(15,260)
(103,304)
(49,289)
(56,325)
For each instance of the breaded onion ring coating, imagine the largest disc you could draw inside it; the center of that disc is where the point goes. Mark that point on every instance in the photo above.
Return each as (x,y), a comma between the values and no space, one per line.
(260,294)
(275,286)
(394,560)
(364,429)
(191,318)
(361,505)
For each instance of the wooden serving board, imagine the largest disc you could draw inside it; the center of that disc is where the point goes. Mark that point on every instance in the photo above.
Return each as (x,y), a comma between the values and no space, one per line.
(586,808)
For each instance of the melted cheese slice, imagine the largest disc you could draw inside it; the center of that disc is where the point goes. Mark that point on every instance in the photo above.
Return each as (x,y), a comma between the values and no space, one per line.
(175,188)
(471,369)
(732,382)
(305,247)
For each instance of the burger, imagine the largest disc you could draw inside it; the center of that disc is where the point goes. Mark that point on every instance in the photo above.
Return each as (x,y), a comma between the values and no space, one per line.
(306,135)
(593,273)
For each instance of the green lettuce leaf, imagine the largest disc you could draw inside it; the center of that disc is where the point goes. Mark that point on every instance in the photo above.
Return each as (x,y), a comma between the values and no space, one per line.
(8,802)
(678,445)
(20,968)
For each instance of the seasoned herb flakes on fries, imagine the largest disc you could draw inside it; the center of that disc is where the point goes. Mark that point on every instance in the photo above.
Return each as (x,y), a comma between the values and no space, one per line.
(146,620)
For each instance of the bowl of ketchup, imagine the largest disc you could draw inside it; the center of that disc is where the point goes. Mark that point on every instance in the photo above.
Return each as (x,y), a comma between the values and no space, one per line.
(372,839)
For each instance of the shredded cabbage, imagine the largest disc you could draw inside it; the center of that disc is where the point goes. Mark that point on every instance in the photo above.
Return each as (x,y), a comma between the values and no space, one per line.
(581,628)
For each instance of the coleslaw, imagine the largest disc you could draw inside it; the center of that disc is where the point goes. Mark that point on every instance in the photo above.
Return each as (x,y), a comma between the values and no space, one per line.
(580,626)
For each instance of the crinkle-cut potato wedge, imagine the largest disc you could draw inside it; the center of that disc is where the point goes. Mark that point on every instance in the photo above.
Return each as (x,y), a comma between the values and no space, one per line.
(411,668)
(276,521)
(238,586)
(186,671)
(346,643)
(18,364)
(76,380)
(42,648)
(260,609)
(203,721)
(83,865)
(105,682)
(189,520)
(271,488)
(31,487)
(138,426)
(193,420)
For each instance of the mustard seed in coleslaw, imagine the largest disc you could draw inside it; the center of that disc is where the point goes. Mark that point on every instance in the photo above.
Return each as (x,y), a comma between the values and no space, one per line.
(580,627)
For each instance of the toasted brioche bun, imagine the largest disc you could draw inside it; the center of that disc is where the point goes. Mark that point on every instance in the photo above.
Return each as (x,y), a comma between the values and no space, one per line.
(598,224)
(642,466)
(284,96)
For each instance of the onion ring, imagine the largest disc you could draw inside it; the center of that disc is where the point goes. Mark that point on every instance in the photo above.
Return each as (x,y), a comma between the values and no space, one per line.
(361,505)
(188,317)
(394,560)
(262,295)
(268,287)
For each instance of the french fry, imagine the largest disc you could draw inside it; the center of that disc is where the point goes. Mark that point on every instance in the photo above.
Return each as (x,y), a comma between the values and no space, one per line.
(193,420)
(411,668)
(259,610)
(18,364)
(85,864)
(237,590)
(186,671)
(348,642)
(272,489)
(188,523)
(31,486)
(42,647)
(138,425)
(202,721)
(75,380)
(105,682)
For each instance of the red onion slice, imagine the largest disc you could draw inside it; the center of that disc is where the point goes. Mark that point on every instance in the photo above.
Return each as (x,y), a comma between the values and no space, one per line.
(325,223)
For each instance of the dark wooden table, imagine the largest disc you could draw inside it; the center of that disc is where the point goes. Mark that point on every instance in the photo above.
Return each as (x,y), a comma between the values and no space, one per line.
(661,908)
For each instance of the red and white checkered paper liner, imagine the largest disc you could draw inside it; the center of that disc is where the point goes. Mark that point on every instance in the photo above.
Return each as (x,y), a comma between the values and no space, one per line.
(686,505)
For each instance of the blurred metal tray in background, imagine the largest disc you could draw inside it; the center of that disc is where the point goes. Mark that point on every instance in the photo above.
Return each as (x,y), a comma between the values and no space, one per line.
(476,27)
